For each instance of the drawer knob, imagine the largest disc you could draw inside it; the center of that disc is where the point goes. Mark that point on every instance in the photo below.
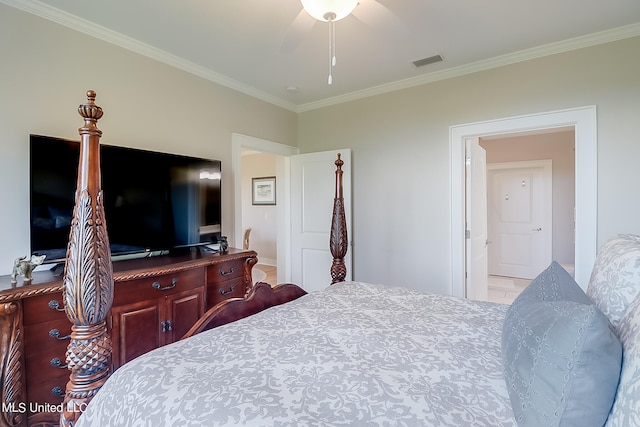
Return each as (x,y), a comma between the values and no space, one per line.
(226,273)
(57,391)
(54,333)
(55,305)
(166,326)
(57,363)
(158,286)
(231,288)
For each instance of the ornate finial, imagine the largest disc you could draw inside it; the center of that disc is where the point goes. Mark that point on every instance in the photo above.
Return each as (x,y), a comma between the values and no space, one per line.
(339,162)
(90,111)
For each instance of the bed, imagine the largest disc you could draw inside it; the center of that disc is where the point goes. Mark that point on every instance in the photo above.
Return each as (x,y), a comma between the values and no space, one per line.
(357,354)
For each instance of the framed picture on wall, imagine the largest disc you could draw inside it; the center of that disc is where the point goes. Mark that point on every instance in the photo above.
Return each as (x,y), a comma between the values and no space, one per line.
(263,190)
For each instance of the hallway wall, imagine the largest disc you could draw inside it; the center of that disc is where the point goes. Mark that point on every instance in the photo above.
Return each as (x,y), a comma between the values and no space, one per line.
(261,218)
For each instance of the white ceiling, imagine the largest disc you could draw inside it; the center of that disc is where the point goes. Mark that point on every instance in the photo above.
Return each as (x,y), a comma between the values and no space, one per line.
(239,43)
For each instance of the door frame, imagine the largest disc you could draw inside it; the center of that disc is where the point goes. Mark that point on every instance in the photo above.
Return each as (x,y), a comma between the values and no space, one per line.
(241,142)
(584,121)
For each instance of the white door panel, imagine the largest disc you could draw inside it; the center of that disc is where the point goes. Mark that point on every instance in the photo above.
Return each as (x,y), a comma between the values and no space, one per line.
(520,215)
(312,194)
(476,205)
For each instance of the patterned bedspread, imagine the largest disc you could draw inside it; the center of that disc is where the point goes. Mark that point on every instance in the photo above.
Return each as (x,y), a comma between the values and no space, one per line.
(354,354)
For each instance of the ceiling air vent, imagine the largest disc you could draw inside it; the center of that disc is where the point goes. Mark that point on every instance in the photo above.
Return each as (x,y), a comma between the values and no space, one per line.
(427,61)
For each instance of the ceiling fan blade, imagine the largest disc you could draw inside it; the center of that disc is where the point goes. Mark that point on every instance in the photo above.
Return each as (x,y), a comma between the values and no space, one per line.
(300,27)
(380,18)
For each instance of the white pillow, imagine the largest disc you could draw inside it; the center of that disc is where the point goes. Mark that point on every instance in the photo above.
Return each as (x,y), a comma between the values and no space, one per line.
(615,278)
(626,406)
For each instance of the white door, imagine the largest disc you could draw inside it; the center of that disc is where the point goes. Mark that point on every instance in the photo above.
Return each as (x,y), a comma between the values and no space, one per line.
(476,220)
(312,194)
(520,218)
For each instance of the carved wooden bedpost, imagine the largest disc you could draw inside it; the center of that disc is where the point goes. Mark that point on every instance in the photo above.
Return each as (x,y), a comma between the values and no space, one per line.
(12,376)
(338,241)
(88,275)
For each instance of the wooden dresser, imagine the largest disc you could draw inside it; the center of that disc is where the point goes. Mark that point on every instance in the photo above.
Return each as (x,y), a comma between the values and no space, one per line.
(156,300)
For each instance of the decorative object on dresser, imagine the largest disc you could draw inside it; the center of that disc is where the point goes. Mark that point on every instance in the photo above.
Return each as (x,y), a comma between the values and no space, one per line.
(224,244)
(24,266)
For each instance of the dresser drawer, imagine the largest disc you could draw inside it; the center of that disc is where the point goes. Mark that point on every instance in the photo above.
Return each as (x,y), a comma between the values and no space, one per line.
(50,390)
(147,288)
(43,308)
(224,271)
(47,337)
(218,292)
(45,365)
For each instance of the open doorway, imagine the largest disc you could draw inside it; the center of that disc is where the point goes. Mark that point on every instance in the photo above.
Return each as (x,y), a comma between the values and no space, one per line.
(302,200)
(531,202)
(278,215)
(259,220)
(583,121)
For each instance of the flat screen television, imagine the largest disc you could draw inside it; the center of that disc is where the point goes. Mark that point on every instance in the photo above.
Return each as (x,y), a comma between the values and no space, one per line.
(153,201)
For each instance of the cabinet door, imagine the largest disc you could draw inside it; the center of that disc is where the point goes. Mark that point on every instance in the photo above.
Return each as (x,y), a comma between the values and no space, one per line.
(183,310)
(135,330)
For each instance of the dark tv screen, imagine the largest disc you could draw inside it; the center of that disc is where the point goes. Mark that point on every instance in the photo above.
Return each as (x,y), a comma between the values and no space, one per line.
(153,201)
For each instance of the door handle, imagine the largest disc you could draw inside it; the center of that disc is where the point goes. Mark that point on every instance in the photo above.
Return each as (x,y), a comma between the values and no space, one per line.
(537,229)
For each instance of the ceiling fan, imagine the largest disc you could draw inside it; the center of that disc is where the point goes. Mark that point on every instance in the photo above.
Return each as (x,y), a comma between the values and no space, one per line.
(370,12)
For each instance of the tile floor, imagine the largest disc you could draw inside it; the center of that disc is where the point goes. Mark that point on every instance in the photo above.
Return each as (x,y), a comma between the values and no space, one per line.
(505,289)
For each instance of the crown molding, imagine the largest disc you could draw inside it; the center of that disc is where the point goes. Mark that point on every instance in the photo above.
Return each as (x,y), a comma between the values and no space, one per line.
(58,16)
(594,39)
(71,21)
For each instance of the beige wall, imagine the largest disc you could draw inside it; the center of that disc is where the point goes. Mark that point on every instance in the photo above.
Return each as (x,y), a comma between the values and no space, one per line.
(46,70)
(400,142)
(559,148)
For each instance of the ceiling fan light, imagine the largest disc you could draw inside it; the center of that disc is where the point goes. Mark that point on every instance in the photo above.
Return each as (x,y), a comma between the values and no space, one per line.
(320,9)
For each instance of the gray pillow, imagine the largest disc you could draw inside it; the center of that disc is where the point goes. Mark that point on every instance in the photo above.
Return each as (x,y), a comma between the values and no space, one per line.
(553,284)
(561,355)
